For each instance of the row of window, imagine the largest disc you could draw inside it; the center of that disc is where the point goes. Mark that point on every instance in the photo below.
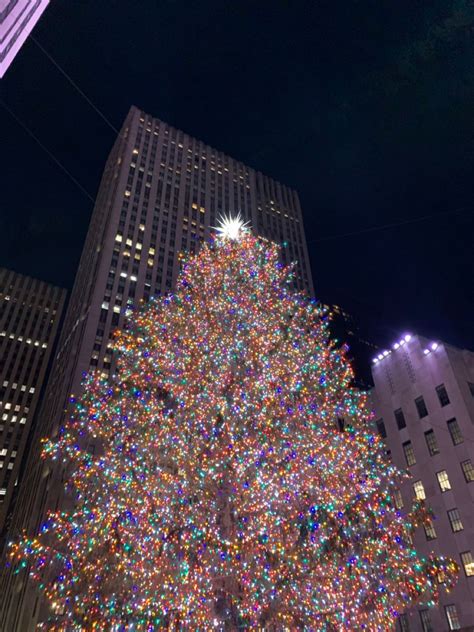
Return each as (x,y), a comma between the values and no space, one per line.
(421,405)
(451,614)
(421,408)
(431,441)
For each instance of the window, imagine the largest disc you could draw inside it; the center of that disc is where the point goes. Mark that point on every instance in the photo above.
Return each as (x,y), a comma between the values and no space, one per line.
(381,428)
(409,453)
(398,499)
(419,490)
(400,418)
(443,481)
(421,407)
(452,617)
(455,520)
(442,395)
(426,621)
(468,470)
(430,530)
(468,563)
(455,431)
(431,442)
(403,623)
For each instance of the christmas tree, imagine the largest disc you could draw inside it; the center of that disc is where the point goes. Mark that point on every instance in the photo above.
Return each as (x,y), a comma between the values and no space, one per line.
(228,476)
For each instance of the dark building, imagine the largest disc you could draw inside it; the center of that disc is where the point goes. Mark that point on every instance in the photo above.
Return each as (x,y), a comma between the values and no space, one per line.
(30,311)
(162,191)
(346,330)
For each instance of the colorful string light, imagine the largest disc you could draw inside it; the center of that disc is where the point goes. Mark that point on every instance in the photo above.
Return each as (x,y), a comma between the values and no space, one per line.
(228,477)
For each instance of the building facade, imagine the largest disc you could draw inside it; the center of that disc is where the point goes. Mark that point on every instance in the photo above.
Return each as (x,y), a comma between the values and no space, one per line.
(424,402)
(161,193)
(17,20)
(30,311)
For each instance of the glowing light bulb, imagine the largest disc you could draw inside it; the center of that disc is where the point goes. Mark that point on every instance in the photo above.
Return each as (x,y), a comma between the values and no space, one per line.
(231,227)
(434,346)
(407,338)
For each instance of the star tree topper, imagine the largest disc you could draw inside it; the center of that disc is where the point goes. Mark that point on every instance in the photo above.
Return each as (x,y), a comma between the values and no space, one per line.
(230,227)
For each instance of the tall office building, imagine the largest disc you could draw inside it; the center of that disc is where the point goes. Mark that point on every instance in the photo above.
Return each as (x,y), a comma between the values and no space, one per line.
(161,193)
(424,401)
(30,311)
(17,20)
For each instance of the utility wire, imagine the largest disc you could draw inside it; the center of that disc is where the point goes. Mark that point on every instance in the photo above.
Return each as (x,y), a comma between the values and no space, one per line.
(46,150)
(372,229)
(362,231)
(74,84)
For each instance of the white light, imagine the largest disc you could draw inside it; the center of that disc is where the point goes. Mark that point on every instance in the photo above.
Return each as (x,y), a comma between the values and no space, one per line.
(402,342)
(426,351)
(375,360)
(407,338)
(396,345)
(380,356)
(385,353)
(231,227)
(434,346)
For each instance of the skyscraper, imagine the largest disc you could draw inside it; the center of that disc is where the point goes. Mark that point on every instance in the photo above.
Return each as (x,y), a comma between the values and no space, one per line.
(17,20)
(161,193)
(30,311)
(424,401)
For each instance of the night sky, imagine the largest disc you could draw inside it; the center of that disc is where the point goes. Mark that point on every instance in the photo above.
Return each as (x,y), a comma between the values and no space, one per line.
(365,107)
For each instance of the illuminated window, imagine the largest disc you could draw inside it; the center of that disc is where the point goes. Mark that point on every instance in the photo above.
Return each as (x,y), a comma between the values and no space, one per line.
(409,453)
(455,520)
(468,563)
(431,442)
(419,490)
(452,617)
(442,395)
(430,530)
(443,481)
(455,431)
(398,499)
(468,470)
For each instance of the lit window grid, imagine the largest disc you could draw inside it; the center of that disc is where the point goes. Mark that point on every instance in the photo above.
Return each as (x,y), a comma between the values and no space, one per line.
(443,481)
(419,490)
(455,520)
(468,470)
(409,453)
(455,431)
(452,617)
(431,442)
(467,562)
